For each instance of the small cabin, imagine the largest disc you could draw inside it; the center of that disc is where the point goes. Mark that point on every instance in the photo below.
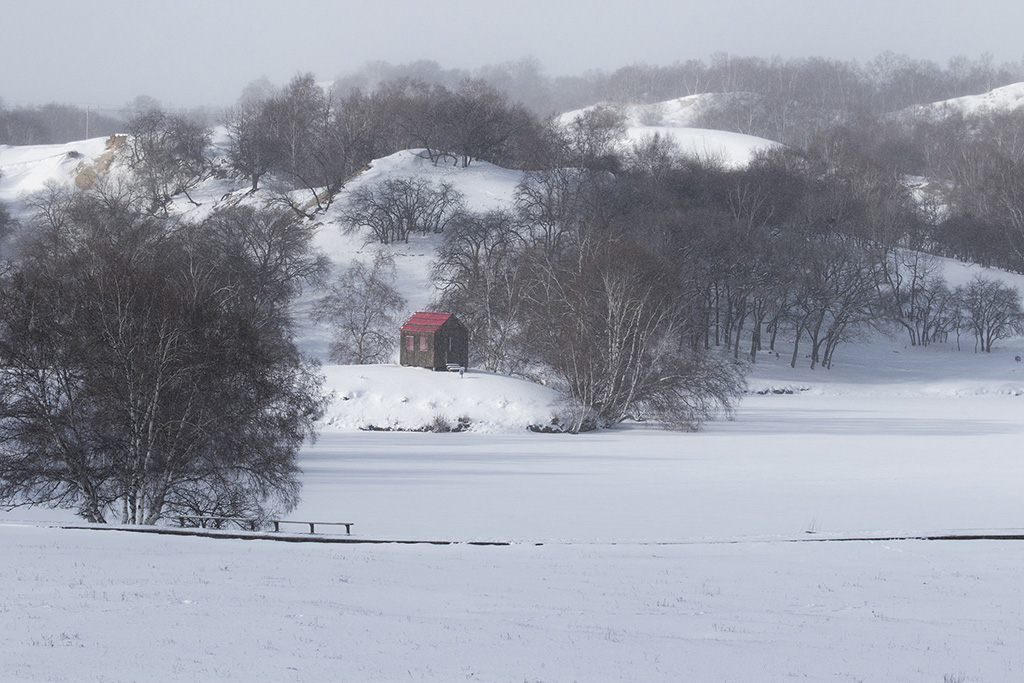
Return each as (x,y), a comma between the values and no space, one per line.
(437,341)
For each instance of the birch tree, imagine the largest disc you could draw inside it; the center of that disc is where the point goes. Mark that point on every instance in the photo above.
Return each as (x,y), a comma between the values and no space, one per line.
(362,308)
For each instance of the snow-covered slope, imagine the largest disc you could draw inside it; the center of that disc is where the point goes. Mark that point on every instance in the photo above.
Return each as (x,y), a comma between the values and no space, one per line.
(675,119)
(681,112)
(1008,98)
(729,149)
(28,169)
(484,186)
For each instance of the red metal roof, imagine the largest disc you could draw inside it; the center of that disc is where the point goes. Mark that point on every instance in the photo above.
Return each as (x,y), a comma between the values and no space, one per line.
(425,322)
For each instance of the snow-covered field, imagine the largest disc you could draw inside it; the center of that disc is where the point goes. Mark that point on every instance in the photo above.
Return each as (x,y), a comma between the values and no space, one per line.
(635,554)
(97,606)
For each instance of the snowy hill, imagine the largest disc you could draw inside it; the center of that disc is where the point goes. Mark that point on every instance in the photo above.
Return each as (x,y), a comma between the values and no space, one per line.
(680,112)
(675,118)
(1008,98)
(484,186)
(731,150)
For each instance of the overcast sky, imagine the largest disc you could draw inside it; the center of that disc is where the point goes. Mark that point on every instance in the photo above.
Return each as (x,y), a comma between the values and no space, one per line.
(188,53)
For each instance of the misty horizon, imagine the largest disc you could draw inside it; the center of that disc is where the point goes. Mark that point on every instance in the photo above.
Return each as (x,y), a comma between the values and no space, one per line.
(192,54)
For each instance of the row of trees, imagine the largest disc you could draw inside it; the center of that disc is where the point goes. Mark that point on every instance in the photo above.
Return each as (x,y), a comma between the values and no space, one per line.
(147,366)
(929,310)
(54,124)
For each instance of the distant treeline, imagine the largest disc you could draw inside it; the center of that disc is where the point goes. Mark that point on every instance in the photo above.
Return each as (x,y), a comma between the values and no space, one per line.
(54,124)
(789,99)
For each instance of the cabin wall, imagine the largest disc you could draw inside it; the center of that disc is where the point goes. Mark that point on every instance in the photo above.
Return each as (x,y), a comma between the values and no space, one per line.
(452,346)
(417,356)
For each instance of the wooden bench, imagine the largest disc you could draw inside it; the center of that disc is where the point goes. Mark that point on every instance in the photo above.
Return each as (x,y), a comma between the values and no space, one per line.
(278,522)
(216,522)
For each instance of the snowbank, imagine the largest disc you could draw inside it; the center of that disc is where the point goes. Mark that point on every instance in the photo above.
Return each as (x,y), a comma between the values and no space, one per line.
(28,169)
(391,397)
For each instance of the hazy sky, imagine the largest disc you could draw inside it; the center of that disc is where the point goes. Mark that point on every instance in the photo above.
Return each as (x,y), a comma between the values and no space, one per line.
(193,52)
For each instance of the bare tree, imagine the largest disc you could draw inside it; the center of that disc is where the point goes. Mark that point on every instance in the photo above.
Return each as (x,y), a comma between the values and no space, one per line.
(991,310)
(422,112)
(479,272)
(295,114)
(167,153)
(914,294)
(398,207)
(253,149)
(141,373)
(607,327)
(271,251)
(7,226)
(591,140)
(362,308)
(483,124)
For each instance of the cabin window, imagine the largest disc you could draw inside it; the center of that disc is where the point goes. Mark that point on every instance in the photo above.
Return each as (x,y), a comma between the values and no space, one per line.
(408,342)
(423,343)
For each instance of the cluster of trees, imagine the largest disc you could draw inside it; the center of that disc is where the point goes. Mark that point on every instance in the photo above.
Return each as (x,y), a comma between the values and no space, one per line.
(822,107)
(147,366)
(167,156)
(977,166)
(308,138)
(968,172)
(638,291)
(398,207)
(923,303)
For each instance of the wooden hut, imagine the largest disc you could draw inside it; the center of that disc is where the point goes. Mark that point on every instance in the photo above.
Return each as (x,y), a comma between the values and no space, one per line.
(437,341)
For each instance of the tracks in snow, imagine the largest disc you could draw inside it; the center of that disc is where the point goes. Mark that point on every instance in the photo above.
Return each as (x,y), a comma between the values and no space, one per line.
(953,535)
